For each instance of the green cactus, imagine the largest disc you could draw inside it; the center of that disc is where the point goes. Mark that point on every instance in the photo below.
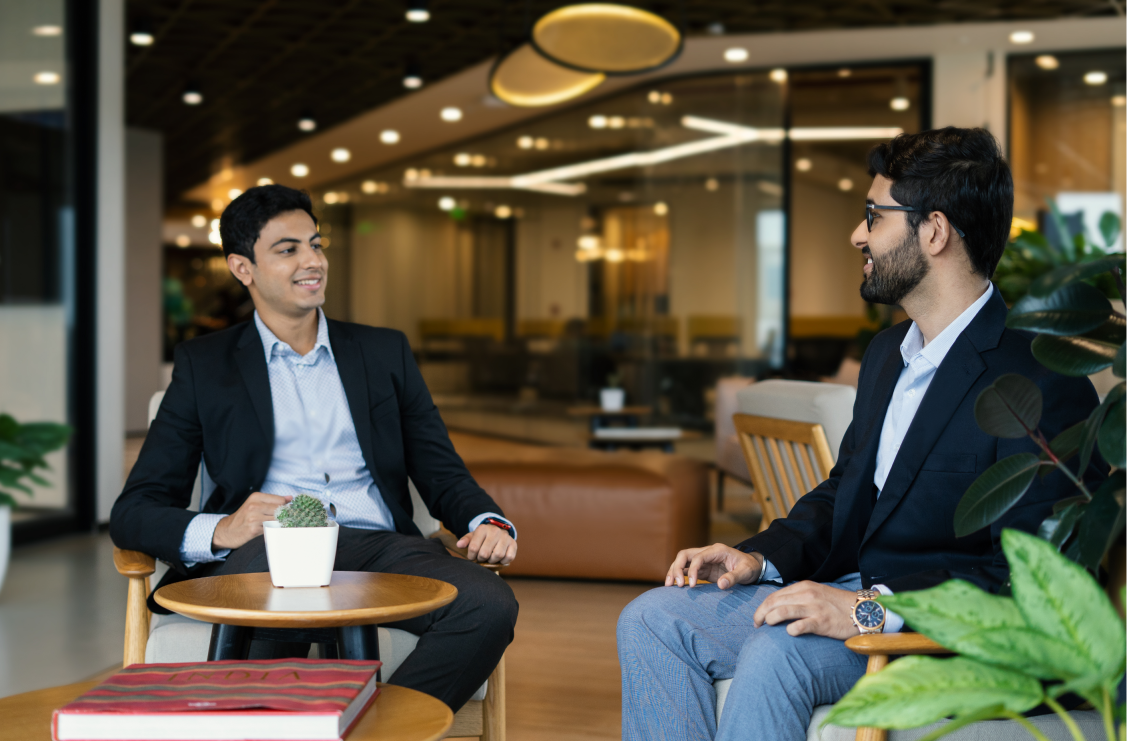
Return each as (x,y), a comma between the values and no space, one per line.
(303,511)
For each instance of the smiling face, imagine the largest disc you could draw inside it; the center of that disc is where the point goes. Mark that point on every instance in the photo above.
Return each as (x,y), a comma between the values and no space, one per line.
(289,271)
(894,261)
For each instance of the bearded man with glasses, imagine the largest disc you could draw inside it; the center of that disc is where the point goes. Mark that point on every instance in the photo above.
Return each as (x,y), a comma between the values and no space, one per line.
(781,604)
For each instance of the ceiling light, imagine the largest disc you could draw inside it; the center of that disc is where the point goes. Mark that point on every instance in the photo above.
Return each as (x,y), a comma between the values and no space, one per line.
(502,212)
(1021,37)
(606,38)
(343,196)
(588,242)
(450,113)
(464,159)
(525,142)
(803,164)
(369,186)
(192,95)
(1095,77)
(1047,61)
(899,103)
(46,78)
(141,37)
(330,198)
(477,160)
(199,221)
(661,208)
(417,11)
(1119,100)
(183,240)
(299,170)
(340,154)
(234,193)
(542,143)
(779,75)
(712,185)
(526,79)
(424,173)
(666,98)
(264,181)
(845,184)
(447,203)
(307,122)
(412,78)
(616,122)
(844,72)
(215,239)
(735,55)
(654,97)
(410,174)
(615,255)
(48,30)
(389,136)
(599,121)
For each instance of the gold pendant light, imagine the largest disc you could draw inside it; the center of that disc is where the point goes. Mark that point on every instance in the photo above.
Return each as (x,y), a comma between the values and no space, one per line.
(526,79)
(607,37)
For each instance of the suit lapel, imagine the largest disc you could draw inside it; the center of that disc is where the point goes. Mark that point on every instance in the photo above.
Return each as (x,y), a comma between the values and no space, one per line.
(251,359)
(354,378)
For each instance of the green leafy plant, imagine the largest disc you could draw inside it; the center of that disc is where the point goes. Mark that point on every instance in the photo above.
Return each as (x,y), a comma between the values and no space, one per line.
(1058,633)
(1030,255)
(22,448)
(302,511)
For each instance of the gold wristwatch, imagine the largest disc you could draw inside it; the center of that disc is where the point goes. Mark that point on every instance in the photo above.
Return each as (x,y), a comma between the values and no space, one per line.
(868,614)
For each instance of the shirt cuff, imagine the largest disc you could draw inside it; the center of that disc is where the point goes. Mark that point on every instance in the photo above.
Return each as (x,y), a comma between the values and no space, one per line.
(481,518)
(893,623)
(196,546)
(769,572)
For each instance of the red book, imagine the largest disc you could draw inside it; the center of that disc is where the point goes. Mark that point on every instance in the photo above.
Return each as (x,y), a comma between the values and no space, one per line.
(274,700)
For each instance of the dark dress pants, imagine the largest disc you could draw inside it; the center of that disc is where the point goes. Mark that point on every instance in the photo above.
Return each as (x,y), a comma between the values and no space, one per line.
(459,644)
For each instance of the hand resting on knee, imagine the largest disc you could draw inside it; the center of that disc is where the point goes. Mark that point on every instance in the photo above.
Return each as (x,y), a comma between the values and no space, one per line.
(723,565)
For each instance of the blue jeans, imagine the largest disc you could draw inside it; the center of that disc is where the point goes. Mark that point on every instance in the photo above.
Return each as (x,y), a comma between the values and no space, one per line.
(673,643)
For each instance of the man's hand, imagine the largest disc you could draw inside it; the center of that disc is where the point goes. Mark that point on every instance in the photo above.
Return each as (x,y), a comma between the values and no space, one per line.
(235,531)
(489,544)
(718,563)
(814,608)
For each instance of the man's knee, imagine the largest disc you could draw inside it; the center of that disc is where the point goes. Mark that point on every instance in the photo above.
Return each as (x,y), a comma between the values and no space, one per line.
(491,601)
(638,618)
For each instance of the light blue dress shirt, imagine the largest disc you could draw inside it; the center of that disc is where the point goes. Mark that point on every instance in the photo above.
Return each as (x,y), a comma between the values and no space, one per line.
(316,450)
(920,363)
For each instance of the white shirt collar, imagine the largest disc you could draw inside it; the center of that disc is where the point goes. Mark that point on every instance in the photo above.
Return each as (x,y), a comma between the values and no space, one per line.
(937,349)
(270,340)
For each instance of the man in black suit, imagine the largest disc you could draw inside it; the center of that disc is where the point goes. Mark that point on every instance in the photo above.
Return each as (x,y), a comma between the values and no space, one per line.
(294,402)
(782,602)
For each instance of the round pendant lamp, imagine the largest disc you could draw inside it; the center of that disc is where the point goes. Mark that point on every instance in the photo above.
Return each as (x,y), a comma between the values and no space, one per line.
(526,79)
(607,37)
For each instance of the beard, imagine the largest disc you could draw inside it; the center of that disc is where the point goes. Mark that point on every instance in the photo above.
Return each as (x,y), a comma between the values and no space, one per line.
(895,274)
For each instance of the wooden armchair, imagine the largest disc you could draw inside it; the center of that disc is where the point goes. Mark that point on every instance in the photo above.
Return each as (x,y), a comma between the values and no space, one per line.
(880,648)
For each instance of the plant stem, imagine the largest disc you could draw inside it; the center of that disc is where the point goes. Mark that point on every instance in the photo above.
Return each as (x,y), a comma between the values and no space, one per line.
(1066,719)
(1039,437)
(1119,283)
(1106,709)
(1026,724)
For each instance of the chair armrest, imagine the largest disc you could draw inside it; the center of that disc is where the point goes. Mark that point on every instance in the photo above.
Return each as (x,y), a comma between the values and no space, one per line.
(133,563)
(450,540)
(894,644)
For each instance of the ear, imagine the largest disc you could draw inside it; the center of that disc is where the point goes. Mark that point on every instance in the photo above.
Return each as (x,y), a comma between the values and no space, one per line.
(240,267)
(936,234)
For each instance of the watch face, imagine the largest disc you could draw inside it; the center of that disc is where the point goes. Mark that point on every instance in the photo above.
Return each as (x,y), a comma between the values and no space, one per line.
(869,614)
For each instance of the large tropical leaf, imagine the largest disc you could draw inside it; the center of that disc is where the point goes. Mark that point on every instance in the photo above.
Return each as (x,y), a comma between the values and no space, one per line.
(1072,274)
(1028,651)
(918,690)
(1058,526)
(1060,599)
(1009,407)
(994,492)
(1109,228)
(1073,356)
(1111,435)
(954,609)
(1065,243)
(1095,422)
(1114,330)
(1103,521)
(1118,366)
(1074,309)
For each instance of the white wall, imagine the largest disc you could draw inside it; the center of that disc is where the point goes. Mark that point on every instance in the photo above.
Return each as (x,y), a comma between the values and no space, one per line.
(969,89)
(551,283)
(144,207)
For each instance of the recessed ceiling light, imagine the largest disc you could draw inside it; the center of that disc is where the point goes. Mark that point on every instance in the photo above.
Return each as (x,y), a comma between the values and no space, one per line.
(199,221)
(412,78)
(1095,77)
(369,186)
(712,185)
(899,103)
(1047,61)
(599,122)
(183,240)
(1119,100)
(1021,37)
(417,11)
(666,98)
(844,72)
(735,55)
(779,75)
(234,193)
(141,38)
(410,174)
(48,30)
(450,113)
(46,78)
(307,122)
(661,208)
(389,136)
(525,142)
(616,122)
(502,212)
(615,255)
(330,198)
(447,203)
(478,160)
(463,159)
(803,164)
(264,181)
(654,96)
(299,170)
(542,143)
(340,154)
(845,184)
(192,95)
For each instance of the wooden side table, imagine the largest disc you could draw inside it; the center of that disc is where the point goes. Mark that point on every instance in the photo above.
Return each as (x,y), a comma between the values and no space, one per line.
(354,603)
(398,714)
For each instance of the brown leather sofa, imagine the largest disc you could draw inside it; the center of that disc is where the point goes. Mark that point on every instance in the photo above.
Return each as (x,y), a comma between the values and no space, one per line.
(592,515)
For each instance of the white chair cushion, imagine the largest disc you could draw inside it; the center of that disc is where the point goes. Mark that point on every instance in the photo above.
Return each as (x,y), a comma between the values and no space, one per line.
(827,404)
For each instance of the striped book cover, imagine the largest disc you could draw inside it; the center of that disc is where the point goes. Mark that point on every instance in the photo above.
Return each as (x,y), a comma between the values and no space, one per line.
(274,700)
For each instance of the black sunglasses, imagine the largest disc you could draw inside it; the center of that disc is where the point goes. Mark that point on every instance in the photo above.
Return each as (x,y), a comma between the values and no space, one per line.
(871,207)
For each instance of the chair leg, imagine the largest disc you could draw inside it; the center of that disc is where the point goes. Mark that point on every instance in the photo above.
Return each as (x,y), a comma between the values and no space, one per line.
(876,663)
(493,709)
(136,621)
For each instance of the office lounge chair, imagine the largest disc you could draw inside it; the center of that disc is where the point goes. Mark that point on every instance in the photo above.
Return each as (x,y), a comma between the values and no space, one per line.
(153,638)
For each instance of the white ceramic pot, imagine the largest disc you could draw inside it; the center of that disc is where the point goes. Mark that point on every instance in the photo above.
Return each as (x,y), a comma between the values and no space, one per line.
(5,541)
(300,556)
(612,400)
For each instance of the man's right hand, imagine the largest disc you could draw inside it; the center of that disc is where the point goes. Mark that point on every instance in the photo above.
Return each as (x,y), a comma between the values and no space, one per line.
(718,563)
(235,531)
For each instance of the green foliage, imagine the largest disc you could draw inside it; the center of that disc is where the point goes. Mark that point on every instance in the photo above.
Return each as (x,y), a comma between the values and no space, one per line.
(303,511)
(994,492)
(22,451)
(1009,407)
(1058,632)
(1072,309)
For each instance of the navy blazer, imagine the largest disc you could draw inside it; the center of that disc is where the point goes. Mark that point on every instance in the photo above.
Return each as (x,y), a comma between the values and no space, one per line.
(909,541)
(219,407)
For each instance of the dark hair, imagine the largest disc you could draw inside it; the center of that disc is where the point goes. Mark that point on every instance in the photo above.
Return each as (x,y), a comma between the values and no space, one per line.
(960,173)
(243,219)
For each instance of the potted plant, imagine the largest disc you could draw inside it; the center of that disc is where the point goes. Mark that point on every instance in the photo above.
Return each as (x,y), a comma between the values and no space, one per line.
(22,448)
(301,544)
(612,398)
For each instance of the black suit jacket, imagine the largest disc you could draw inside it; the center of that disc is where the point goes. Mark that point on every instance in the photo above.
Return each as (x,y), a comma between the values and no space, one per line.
(909,541)
(219,407)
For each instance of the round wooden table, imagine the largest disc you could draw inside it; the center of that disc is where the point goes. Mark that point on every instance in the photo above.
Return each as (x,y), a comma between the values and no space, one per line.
(398,714)
(353,603)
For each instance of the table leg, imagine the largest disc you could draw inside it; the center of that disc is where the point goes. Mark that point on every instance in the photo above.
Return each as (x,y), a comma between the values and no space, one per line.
(228,642)
(359,642)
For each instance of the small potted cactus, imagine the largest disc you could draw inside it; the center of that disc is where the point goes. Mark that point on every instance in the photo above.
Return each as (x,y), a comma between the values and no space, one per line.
(301,544)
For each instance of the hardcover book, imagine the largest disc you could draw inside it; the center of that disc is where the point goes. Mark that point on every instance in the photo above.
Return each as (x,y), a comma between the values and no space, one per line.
(273,700)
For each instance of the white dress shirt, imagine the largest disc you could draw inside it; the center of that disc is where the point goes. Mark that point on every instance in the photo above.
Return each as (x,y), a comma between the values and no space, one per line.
(920,363)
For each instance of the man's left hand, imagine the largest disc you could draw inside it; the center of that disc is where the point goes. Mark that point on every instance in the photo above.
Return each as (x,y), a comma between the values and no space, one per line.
(813,608)
(489,544)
